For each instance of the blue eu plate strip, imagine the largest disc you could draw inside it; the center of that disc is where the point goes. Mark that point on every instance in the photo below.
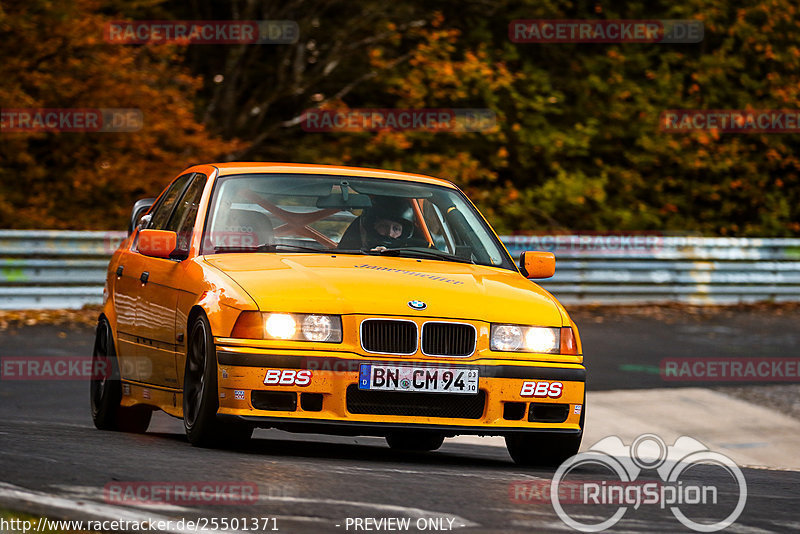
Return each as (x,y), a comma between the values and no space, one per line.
(364,376)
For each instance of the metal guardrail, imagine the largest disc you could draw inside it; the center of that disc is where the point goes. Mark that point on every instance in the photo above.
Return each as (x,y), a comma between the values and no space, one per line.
(641,269)
(65,269)
(44,269)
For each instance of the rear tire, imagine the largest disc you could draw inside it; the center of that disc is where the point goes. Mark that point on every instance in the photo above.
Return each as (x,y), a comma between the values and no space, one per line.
(105,393)
(410,440)
(201,394)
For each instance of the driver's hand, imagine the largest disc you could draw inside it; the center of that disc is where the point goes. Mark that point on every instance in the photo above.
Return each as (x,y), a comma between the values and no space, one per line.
(379,249)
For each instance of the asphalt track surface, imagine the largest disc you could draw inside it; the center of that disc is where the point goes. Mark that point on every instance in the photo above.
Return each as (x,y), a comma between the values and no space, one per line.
(312,483)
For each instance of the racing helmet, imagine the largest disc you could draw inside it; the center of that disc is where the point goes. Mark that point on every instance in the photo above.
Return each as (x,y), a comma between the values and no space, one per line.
(393,209)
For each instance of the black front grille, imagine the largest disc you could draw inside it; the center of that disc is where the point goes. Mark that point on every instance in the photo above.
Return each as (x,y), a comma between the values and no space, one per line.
(448,339)
(411,404)
(393,337)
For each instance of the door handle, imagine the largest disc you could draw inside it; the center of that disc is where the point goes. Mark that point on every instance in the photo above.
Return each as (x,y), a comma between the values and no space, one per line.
(144,277)
(120,269)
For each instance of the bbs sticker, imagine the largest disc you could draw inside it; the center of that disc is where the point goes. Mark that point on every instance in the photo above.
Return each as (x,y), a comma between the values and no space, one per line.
(287,377)
(540,390)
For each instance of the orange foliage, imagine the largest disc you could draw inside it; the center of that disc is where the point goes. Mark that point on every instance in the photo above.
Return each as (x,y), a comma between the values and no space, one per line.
(54,56)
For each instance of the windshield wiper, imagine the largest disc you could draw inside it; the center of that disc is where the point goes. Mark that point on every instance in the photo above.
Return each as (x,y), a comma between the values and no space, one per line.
(278,247)
(232,248)
(423,252)
(284,246)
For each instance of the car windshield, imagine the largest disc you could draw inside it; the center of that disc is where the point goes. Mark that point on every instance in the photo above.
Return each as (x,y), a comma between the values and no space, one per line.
(349,215)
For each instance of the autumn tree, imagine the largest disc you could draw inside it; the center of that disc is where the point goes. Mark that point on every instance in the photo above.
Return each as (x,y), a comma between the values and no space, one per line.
(54,56)
(577,143)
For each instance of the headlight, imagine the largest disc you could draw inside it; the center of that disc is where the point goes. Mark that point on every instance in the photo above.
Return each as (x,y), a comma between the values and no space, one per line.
(506,337)
(518,338)
(304,327)
(318,327)
(289,326)
(280,326)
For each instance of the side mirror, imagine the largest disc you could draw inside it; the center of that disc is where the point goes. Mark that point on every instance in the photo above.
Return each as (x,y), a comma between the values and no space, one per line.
(157,243)
(537,264)
(139,208)
(144,220)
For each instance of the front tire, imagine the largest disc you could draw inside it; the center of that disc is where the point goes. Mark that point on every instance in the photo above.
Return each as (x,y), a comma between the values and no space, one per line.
(105,392)
(201,394)
(544,450)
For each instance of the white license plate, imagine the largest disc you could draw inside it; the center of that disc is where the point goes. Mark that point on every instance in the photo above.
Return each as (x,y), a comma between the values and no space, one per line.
(418,379)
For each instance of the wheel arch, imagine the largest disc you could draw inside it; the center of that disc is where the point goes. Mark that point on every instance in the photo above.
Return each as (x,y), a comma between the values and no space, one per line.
(194,312)
(103,317)
(220,319)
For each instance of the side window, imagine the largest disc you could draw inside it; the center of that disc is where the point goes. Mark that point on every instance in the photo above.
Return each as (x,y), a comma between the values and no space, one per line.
(183,217)
(166,203)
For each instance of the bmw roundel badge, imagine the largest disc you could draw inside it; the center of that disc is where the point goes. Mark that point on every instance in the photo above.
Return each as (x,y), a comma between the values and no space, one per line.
(417,305)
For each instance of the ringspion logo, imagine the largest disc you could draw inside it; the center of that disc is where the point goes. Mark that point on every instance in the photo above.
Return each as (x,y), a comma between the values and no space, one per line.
(675,490)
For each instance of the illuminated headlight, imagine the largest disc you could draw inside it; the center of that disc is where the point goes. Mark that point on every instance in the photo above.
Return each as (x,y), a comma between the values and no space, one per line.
(281,326)
(304,327)
(517,338)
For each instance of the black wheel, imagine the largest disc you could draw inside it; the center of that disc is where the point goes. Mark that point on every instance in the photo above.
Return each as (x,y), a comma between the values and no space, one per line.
(415,440)
(546,450)
(106,389)
(200,393)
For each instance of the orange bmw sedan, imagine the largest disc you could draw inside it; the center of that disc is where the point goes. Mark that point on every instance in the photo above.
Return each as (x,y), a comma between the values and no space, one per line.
(336,300)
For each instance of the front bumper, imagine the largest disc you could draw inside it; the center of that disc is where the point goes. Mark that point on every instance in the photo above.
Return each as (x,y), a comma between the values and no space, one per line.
(332,403)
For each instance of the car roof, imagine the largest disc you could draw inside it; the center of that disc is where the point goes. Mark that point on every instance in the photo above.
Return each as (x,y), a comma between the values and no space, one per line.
(226,169)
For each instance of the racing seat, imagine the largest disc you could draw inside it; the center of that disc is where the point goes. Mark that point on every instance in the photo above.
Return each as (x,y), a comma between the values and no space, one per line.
(351,238)
(247,228)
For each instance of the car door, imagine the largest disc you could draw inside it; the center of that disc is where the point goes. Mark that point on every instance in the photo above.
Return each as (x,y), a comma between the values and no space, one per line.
(128,289)
(161,279)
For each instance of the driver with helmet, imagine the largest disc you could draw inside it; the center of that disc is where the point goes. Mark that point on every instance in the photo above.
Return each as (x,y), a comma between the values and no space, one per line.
(388,223)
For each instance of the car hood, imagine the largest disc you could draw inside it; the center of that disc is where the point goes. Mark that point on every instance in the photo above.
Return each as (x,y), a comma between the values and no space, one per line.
(380,285)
